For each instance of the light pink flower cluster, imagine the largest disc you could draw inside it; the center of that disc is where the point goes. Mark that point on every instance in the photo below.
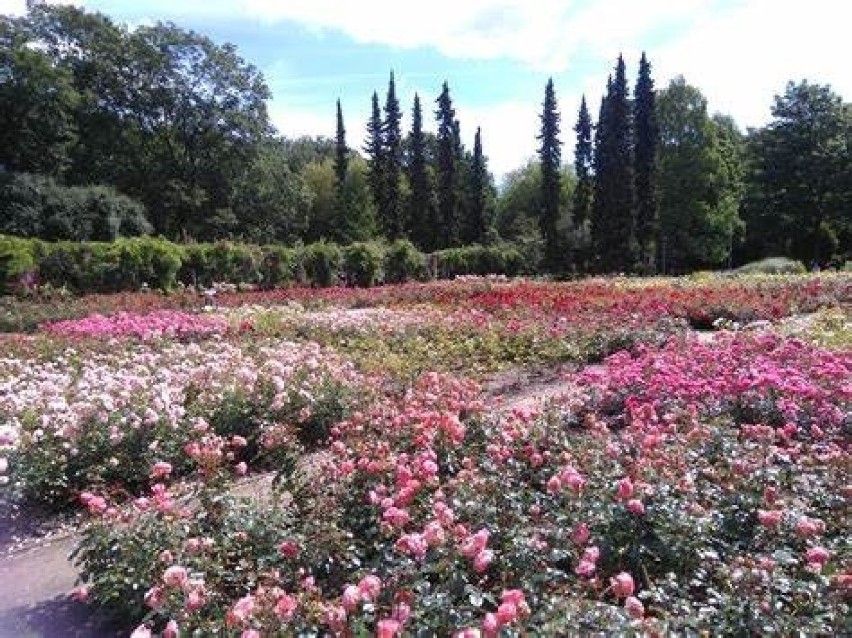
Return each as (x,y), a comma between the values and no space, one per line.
(153,325)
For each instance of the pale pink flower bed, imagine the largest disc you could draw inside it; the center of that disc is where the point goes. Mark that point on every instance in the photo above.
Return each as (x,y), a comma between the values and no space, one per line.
(153,325)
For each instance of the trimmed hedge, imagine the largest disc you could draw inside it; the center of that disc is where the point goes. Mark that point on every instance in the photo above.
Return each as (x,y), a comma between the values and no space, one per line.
(129,264)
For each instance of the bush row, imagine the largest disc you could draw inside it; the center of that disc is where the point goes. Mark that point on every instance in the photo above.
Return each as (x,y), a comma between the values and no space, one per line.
(129,264)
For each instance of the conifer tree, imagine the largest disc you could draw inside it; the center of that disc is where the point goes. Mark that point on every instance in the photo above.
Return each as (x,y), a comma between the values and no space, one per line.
(583,165)
(477,207)
(550,155)
(613,232)
(422,212)
(391,214)
(646,166)
(341,151)
(374,148)
(448,170)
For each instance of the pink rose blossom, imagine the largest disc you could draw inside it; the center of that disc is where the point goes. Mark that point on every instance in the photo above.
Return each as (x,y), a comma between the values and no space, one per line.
(506,613)
(80,594)
(288,549)
(172,630)
(175,576)
(160,470)
(636,506)
(387,628)
(817,555)
(351,598)
(369,588)
(634,607)
(770,518)
(580,534)
(490,624)
(483,560)
(401,612)
(473,545)
(142,631)
(286,606)
(622,585)
(585,568)
(624,488)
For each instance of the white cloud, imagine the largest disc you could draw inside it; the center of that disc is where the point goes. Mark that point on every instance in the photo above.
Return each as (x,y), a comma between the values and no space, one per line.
(742,57)
(19,7)
(545,34)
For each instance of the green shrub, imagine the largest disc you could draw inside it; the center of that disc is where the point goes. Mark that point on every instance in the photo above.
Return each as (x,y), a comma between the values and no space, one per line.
(195,268)
(362,263)
(36,206)
(500,259)
(278,266)
(151,261)
(235,263)
(773,266)
(322,263)
(403,262)
(17,261)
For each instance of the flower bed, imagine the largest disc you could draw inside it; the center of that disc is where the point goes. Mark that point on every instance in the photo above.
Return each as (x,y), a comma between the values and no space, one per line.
(102,419)
(695,489)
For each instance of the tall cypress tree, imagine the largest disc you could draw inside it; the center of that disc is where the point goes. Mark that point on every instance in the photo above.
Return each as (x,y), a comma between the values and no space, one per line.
(341,151)
(478,197)
(375,150)
(584,190)
(613,227)
(422,213)
(550,155)
(448,177)
(646,166)
(391,215)
(341,223)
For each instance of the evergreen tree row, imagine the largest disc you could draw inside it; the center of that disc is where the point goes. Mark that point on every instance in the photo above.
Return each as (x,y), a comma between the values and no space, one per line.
(426,188)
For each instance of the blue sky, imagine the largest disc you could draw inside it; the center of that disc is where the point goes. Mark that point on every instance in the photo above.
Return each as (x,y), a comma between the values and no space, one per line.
(497,54)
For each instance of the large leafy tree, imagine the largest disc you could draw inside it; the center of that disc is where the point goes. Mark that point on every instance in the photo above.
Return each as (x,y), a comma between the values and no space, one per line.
(392,210)
(448,170)
(646,167)
(550,156)
(271,200)
(164,114)
(422,207)
(800,186)
(518,208)
(698,190)
(37,102)
(613,222)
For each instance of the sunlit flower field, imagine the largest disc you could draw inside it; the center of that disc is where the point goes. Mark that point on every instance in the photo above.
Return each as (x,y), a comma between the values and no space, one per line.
(352,462)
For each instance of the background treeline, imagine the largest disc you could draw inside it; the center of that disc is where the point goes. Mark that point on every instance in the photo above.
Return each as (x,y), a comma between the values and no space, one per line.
(107,132)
